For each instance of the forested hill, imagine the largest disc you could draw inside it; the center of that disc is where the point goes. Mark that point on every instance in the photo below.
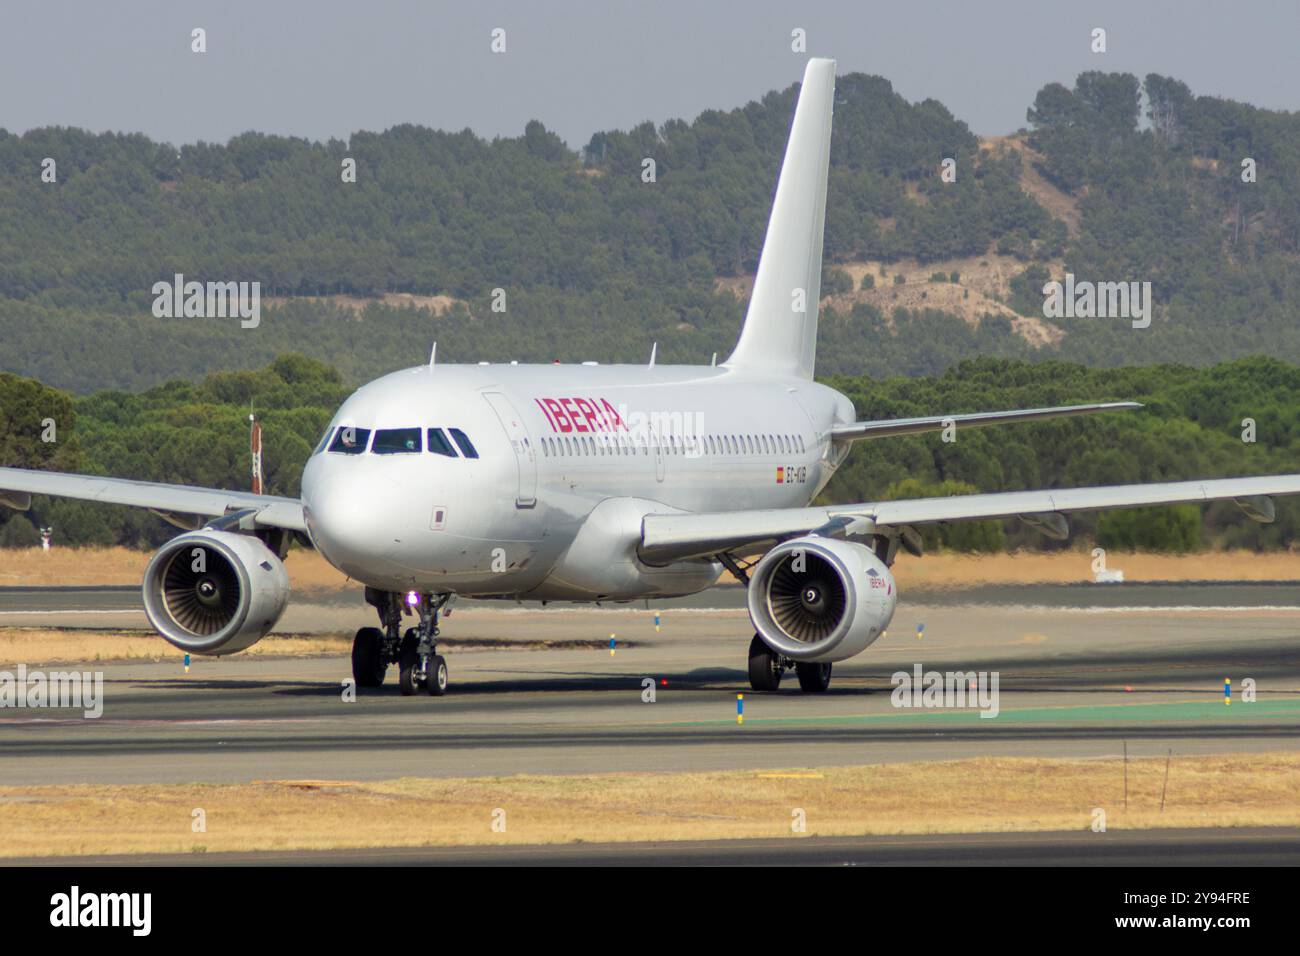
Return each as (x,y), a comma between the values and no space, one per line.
(1115,179)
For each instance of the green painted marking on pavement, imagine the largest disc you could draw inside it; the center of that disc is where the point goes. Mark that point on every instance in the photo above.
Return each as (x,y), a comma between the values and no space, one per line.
(1211,711)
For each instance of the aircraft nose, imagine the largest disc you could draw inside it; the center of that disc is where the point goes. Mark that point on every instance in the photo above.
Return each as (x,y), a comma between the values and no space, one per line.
(351,519)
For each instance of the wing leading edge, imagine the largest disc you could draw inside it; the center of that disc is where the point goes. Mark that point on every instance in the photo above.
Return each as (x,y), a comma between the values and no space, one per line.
(17,485)
(666,538)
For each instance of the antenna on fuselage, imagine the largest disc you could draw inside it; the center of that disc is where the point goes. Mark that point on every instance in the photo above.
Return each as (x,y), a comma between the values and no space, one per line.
(654,349)
(433,355)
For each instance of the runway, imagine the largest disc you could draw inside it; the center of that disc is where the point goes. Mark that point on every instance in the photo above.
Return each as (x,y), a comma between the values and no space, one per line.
(1261,846)
(1074,682)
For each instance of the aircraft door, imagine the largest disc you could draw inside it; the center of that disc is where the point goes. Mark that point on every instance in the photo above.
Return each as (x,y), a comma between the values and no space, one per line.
(521,443)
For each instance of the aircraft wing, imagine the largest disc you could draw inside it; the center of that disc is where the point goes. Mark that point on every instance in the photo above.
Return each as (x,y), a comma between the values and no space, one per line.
(673,537)
(172,502)
(855,431)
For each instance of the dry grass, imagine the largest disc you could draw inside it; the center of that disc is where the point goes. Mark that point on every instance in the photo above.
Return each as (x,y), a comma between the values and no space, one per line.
(964,570)
(981,795)
(63,567)
(36,646)
(309,572)
(1072,567)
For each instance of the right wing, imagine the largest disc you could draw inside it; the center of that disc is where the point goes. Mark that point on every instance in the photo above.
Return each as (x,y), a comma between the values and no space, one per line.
(888,427)
(673,537)
(171,502)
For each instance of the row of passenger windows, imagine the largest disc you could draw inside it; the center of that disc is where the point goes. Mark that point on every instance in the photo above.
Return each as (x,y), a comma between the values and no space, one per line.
(349,440)
(691,445)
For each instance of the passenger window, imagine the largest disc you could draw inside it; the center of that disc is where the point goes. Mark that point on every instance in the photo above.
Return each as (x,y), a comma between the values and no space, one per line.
(350,440)
(396,441)
(463,443)
(438,443)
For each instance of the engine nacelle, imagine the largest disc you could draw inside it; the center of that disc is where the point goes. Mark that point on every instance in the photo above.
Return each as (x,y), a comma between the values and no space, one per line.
(215,592)
(821,599)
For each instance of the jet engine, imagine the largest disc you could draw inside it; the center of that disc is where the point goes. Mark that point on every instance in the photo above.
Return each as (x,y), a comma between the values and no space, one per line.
(215,592)
(821,599)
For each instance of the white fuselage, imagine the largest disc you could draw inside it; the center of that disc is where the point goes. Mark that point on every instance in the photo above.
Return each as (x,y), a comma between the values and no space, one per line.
(570,458)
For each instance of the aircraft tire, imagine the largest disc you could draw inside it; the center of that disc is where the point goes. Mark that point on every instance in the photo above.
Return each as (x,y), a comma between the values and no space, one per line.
(764,666)
(813,678)
(368,666)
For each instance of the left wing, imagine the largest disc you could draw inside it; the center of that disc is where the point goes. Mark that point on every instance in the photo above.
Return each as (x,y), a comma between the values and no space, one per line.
(854,431)
(673,537)
(171,502)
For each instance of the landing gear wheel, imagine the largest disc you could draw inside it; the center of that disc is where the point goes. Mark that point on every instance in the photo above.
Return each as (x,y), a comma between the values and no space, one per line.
(408,680)
(368,665)
(764,666)
(813,678)
(436,684)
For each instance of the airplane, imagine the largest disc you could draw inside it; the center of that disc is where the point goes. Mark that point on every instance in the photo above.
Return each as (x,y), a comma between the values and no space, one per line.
(600,483)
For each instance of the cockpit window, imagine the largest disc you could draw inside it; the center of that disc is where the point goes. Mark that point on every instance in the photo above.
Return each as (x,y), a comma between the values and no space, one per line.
(350,440)
(462,441)
(324,440)
(438,443)
(396,441)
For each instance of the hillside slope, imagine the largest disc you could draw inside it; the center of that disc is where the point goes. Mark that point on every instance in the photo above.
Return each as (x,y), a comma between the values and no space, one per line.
(593,263)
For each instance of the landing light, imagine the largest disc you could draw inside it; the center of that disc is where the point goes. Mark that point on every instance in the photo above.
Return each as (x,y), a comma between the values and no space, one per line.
(412,598)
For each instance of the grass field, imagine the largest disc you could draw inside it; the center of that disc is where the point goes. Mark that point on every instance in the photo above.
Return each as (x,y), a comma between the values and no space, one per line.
(979,795)
(35,646)
(62,567)
(309,572)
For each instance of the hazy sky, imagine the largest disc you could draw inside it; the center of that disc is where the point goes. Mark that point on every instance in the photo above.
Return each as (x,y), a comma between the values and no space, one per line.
(328,68)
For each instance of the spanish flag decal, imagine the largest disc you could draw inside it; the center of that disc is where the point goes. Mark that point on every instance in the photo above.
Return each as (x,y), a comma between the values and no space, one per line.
(780,475)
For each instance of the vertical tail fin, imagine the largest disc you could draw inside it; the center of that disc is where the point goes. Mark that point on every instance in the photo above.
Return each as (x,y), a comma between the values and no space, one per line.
(780,330)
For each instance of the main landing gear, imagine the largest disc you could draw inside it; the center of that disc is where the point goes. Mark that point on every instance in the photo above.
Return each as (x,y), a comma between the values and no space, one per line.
(766,667)
(415,652)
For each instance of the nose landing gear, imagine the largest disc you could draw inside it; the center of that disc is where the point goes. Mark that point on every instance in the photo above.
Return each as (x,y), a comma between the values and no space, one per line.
(419,665)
